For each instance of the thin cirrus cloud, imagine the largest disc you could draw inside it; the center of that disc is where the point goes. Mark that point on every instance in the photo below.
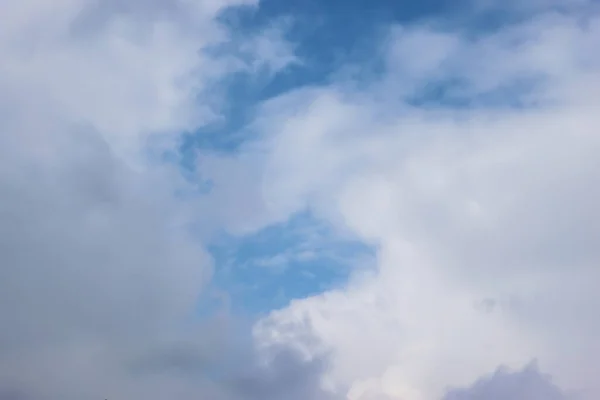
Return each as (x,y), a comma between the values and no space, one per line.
(467,160)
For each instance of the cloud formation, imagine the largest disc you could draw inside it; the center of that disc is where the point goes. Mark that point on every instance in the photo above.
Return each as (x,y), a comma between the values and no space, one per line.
(468,160)
(471,164)
(98,268)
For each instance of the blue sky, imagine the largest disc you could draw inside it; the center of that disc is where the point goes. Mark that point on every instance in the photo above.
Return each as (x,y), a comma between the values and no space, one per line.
(295,259)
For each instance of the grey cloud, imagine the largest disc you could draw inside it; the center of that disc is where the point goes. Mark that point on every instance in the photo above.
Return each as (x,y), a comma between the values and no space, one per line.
(99,274)
(89,265)
(10,394)
(238,374)
(527,384)
(98,283)
(286,377)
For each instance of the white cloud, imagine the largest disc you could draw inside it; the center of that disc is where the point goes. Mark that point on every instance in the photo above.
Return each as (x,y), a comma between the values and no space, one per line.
(484,215)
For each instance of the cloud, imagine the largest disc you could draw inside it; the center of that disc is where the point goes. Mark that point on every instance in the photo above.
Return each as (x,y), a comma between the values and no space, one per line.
(98,266)
(233,373)
(527,384)
(287,376)
(480,198)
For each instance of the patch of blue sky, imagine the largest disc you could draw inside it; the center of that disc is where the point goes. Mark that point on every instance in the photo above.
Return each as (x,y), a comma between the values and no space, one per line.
(300,257)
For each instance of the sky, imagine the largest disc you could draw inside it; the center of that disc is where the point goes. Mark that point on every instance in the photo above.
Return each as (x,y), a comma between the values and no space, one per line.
(316,200)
